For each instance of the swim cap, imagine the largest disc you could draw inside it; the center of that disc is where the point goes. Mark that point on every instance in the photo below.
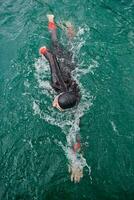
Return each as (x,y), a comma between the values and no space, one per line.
(42,50)
(67,100)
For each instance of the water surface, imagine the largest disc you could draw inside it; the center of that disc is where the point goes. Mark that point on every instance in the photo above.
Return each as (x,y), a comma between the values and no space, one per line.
(33,136)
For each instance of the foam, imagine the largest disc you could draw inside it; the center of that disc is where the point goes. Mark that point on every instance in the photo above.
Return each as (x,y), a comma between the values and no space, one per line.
(114,127)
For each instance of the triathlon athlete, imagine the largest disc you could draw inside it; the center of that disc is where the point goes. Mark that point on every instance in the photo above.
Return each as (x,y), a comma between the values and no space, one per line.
(61,66)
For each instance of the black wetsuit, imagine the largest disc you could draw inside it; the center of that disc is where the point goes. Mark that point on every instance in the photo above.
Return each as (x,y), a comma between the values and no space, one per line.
(61,65)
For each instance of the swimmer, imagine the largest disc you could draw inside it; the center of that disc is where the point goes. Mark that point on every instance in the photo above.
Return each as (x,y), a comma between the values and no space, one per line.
(61,66)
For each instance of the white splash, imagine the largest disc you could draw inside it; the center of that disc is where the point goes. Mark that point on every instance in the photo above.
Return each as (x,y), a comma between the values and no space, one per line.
(114,127)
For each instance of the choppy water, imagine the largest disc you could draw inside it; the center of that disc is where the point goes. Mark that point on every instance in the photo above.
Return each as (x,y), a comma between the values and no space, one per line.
(35,138)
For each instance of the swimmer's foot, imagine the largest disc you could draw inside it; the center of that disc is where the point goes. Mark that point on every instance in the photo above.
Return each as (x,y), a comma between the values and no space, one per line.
(76,173)
(50,18)
(51,23)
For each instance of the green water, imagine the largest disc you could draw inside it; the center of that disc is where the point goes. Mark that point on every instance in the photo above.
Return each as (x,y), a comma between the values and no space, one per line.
(33,160)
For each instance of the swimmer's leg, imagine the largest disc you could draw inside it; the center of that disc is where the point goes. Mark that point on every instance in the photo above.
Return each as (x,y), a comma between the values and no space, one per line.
(57,48)
(52,28)
(56,74)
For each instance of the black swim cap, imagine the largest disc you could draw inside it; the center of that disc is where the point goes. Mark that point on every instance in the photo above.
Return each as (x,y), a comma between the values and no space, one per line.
(67,100)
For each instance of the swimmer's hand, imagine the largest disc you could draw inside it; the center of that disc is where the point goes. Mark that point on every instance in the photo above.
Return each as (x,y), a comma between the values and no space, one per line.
(50,18)
(76,173)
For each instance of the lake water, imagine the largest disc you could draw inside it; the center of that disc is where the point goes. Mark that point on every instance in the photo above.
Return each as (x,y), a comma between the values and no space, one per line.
(34,137)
